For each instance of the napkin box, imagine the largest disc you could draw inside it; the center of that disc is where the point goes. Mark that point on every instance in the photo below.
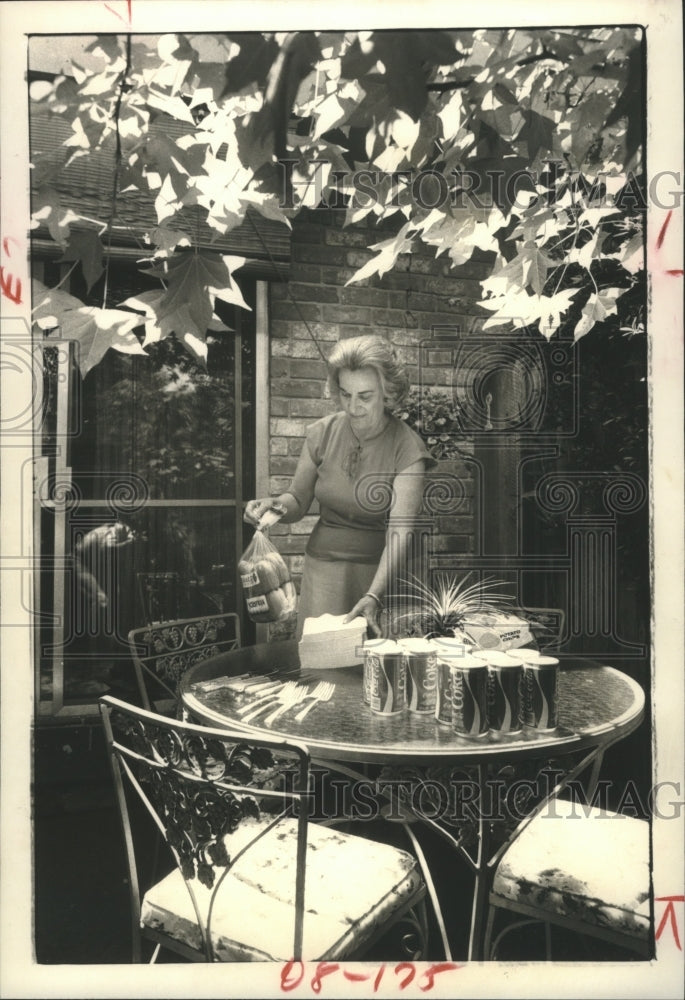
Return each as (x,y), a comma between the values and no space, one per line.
(328,644)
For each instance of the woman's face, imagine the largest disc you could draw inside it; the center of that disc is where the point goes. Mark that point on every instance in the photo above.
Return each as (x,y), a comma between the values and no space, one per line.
(361,396)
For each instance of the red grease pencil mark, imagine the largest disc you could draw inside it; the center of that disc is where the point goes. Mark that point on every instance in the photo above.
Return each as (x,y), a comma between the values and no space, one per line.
(117,14)
(662,232)
(293,975)
(673,272)
(670,916)
(10,286)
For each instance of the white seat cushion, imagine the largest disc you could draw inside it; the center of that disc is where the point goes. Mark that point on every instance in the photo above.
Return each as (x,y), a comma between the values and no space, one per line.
(352,887)
(593,868)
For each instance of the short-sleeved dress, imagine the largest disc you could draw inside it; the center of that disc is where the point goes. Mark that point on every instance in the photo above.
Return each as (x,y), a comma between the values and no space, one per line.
(352,482)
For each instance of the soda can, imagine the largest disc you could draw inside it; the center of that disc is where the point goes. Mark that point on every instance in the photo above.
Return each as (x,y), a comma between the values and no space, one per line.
(470,698)
(541,694)
(524,655)
(368,662)
(443,700)
(421,675)
(448,651)
(387,679)
(505,692)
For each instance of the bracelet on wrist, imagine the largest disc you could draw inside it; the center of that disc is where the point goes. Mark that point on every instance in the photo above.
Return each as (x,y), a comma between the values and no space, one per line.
(376,599)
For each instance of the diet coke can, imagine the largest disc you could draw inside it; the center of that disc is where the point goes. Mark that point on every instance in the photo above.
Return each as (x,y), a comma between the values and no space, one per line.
(368,647)
(470,698)
(505,692)
(443,700)
(387,679)
(421,674)
(448,651)
(541,694)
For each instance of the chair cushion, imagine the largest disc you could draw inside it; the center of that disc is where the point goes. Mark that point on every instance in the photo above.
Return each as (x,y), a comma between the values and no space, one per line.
(353,886)
(583,863)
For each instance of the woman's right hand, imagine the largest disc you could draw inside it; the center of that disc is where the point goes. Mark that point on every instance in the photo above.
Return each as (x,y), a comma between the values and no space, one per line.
(255,509)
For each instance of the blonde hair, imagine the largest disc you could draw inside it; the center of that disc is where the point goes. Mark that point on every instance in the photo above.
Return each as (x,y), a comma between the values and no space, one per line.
(369,351)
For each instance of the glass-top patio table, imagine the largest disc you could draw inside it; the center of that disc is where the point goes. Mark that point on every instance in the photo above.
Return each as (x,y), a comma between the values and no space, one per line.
(477,795)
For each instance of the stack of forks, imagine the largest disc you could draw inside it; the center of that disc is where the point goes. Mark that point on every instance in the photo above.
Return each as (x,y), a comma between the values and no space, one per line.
(290,695)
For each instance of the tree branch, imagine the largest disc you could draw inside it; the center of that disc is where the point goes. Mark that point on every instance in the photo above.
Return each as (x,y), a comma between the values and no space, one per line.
(117,165)
(441,88)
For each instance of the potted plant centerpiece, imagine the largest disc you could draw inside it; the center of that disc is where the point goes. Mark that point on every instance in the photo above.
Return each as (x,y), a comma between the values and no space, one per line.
(477,613)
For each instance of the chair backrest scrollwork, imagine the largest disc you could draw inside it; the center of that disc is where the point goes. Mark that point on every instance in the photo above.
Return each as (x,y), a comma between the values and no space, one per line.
(199,785)
(163,652)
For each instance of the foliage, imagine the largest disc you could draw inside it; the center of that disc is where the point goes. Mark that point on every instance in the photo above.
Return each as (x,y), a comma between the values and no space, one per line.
(523,143)
(173,425)
(448,604)
(434,415)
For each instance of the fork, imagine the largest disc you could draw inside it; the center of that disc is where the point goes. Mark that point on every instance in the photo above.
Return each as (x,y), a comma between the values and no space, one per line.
(294,698)
(318,691)
(249,712)
(325,695)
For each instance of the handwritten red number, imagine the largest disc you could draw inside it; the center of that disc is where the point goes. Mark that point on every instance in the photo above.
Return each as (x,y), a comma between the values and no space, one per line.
(407,979)
(669,915)
(662,232)
(10,290)
(288,983)
(355,977)
(674,272)
(9,285)
(323,969)
(432,971)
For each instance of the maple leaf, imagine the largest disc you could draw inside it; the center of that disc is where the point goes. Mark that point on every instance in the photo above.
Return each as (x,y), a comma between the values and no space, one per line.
(536,266)
(86,247)
(388,252)
(268,205)
(160,324)
(166,240)
(596,309)
(230,292)
(47,207)
(631,255)
(522,309)
(593,216)
(335,108)
(194,280)
(175,107)
(97,330)
(49,304)
(167,202)
(588,252)
(538,132)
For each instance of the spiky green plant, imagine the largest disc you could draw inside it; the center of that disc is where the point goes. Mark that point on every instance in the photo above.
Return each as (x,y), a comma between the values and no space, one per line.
(451,602)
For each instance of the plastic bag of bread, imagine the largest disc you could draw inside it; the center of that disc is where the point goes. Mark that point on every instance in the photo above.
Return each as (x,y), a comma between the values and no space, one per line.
(270,594)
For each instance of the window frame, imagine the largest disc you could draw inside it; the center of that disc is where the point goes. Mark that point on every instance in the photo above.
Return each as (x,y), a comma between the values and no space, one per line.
(56,706)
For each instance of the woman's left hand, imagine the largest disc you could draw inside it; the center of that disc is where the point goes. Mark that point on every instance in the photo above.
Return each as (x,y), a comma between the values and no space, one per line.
(368,608)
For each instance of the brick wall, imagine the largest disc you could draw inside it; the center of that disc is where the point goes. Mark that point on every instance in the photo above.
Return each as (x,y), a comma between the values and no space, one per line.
(406,305)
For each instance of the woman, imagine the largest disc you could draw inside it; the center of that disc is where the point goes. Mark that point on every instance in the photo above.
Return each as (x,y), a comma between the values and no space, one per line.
(366,469)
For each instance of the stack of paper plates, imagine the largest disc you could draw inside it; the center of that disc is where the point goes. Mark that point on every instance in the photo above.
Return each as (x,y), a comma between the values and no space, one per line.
(327,643)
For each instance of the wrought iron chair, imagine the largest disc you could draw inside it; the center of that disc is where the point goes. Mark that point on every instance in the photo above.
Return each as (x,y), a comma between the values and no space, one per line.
(580,868)
(163,651)
(253,880)
(572,865)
